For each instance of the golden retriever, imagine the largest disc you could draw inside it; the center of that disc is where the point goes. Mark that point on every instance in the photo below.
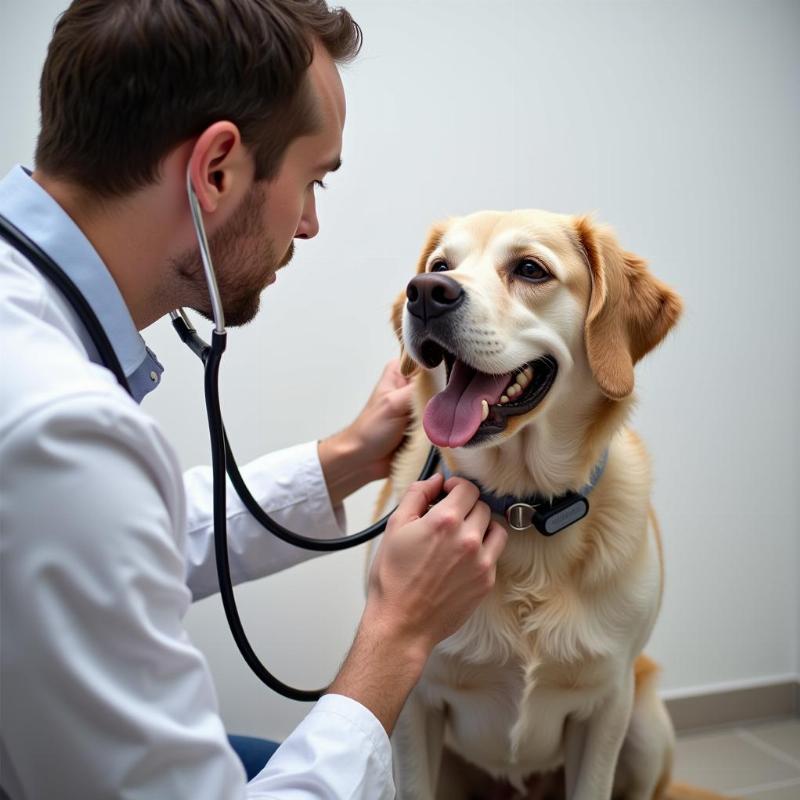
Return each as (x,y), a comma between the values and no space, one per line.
(522,330)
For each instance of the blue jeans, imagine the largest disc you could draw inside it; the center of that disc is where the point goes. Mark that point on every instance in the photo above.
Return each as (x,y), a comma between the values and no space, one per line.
(253,752)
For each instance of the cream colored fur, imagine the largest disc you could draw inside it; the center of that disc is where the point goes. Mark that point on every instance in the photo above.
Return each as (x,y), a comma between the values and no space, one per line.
(544,674)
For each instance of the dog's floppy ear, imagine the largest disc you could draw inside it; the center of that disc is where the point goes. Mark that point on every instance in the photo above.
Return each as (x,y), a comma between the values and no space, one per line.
(407,365)
(630,310)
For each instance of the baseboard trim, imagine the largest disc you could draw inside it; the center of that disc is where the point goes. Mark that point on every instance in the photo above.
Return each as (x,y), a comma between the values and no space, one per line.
(732,706)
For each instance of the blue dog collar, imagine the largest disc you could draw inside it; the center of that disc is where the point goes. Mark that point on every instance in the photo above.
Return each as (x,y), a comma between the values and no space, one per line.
(547,515)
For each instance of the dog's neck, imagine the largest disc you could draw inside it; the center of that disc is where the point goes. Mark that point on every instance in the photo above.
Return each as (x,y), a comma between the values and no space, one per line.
(549,457)
(547,514)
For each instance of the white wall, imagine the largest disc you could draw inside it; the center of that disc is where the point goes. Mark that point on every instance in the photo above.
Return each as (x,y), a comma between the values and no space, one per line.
(678,122)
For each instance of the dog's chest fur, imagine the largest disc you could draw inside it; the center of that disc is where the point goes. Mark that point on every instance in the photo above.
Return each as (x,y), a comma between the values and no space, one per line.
(509,719)
(566,618)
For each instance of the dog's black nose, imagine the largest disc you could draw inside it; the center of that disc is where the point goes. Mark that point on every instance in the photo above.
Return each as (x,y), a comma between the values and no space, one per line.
(433,294)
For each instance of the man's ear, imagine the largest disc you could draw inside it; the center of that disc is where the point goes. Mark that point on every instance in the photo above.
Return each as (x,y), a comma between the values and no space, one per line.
(630,310)
(216,158)
(408,366)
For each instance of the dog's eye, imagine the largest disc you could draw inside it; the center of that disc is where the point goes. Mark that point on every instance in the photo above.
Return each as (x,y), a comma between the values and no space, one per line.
(532,271)
(440,265)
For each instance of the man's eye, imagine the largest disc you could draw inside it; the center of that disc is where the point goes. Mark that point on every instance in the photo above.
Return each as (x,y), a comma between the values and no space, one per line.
(440,265)
(532,271)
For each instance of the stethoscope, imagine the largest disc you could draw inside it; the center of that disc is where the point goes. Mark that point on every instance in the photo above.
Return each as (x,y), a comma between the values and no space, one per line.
(222,459)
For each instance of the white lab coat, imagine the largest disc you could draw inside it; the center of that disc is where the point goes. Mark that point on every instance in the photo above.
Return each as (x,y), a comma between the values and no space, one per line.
(103,545)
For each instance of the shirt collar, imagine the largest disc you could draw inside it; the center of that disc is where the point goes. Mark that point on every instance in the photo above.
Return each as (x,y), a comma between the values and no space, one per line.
(28,206)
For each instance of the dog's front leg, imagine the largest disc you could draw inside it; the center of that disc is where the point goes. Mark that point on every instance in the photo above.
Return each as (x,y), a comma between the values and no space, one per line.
(417,743)
(592,746)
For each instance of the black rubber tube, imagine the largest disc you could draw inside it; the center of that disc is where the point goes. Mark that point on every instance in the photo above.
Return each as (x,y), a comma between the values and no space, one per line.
(222,462)
(308,542)
(48,267)
(217,436)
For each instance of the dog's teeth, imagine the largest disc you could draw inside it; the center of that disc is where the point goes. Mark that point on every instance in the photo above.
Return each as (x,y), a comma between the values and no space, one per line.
(522,380)
(513,390)
(503,399)
(528,372)
(484,410)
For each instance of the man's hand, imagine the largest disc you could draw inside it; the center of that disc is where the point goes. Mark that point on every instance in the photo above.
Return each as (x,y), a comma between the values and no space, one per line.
(363,451)
(380,427)
(436,563)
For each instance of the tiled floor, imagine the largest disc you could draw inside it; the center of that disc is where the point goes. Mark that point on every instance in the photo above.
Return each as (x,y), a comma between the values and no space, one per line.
(757,761)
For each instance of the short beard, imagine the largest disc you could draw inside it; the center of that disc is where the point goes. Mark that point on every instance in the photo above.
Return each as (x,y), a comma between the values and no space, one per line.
(244,258)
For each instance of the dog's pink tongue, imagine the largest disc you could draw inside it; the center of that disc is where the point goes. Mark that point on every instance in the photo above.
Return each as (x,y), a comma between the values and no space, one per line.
(452,416)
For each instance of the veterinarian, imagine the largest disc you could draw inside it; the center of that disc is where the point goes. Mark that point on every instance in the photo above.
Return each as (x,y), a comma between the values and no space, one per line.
(104,543)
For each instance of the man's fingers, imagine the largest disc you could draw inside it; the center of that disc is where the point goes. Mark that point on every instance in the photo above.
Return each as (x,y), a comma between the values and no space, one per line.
(453,481)
(401,398)
(392,365)
(419,497)
(479,518)
(461,497)
(495,540)
(393,374)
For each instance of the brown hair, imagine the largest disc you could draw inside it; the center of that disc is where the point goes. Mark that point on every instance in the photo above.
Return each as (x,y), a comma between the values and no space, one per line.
(125,81)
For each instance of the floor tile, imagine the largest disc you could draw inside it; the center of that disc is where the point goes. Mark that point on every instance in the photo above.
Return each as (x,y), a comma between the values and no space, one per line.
(791,792)
(726,762)
(783,736)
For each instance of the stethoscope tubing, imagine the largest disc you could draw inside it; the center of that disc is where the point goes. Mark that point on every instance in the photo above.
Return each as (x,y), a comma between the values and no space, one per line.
(222,459)
(48,267)
(218,461)
(189,336)
(223,462)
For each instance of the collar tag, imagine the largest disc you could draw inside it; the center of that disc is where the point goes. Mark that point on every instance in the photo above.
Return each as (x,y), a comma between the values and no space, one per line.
(564,511)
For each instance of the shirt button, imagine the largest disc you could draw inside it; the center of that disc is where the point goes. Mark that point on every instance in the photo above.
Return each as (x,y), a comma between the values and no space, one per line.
(154,376)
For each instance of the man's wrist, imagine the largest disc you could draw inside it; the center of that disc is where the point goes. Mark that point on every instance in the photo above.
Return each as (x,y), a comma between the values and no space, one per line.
(413,648)
(344,466)
(381,669)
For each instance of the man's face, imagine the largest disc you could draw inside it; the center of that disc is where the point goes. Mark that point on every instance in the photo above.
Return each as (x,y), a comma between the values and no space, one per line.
(257,240)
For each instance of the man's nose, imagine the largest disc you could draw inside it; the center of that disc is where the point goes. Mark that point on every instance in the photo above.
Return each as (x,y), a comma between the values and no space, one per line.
(309,225)
(432,294)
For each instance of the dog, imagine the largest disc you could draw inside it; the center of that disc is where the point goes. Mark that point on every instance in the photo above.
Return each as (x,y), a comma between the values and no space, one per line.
(520,331)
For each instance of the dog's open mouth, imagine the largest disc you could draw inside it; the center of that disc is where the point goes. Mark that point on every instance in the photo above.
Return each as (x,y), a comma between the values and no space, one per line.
(476,405)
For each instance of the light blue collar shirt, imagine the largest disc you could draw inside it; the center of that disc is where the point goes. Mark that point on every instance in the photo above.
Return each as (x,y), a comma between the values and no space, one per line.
(104,542)
(31,209)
